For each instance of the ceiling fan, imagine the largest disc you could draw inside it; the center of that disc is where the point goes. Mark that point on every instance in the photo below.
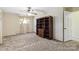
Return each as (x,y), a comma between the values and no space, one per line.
(31,11)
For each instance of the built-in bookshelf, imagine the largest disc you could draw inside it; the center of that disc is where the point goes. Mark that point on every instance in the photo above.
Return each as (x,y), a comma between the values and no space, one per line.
(44,27)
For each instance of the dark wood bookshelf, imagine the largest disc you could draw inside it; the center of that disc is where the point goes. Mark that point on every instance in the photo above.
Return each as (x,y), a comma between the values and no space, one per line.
(44,27)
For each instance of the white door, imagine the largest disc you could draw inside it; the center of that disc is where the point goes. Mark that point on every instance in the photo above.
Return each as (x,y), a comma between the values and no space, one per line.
(67,26)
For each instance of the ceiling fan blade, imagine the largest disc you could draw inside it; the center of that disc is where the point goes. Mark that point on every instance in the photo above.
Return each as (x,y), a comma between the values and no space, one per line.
(24,11)
(40,11)
(33,13)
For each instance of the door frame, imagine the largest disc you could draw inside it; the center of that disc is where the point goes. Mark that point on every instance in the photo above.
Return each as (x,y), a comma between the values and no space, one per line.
(63,25)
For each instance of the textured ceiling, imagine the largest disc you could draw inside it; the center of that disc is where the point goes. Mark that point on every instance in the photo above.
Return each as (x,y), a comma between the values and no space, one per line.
(19,10)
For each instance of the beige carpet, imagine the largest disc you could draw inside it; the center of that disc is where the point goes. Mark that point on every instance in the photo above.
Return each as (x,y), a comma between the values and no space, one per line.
(32,42)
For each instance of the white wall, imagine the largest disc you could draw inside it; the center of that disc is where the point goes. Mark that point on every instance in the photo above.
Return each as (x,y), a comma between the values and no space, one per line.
(74,16)
(57,13)
(11,24)
(0,26)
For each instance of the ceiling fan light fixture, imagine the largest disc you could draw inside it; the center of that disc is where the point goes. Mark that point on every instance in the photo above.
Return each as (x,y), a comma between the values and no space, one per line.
(30,14)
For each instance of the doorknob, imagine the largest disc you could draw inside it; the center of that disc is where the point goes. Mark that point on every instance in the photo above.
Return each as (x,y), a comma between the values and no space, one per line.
(65,28)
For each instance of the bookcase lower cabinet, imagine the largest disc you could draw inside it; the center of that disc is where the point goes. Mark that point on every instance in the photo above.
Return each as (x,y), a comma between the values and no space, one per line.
(44,27)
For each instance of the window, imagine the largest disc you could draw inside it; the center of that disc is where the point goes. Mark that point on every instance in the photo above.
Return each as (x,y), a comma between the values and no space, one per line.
(24,21)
